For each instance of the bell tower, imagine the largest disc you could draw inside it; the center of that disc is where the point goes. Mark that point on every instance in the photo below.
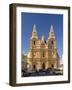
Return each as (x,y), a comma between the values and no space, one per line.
(52,49)
(34,38)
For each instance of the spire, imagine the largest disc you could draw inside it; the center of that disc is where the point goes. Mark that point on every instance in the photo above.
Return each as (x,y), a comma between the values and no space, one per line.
(51,34)
(34,32)
(43,42)
(51,29)
(42,38)
(34,28)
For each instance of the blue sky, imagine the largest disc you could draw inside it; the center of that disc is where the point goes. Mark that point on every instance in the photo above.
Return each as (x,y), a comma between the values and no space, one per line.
(43,23)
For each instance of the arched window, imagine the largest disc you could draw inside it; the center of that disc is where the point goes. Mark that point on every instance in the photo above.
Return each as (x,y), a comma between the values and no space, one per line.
(52,66)
(34,67)
(43,54)
(34,42)
(52,42)
(43,66)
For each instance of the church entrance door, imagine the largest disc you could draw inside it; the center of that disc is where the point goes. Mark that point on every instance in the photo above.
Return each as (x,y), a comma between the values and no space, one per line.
(43,66)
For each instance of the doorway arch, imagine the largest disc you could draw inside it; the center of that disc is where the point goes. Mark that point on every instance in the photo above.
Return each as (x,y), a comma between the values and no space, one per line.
(34,67)
(52,65)
(43,66)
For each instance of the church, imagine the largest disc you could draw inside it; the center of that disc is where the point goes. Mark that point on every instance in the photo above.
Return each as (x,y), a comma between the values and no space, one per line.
(42,53)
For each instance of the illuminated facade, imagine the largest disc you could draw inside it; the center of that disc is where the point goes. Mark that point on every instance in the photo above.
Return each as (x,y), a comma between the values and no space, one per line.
(42,54)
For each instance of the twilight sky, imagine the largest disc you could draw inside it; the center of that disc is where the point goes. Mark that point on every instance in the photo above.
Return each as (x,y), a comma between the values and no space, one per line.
(43,23)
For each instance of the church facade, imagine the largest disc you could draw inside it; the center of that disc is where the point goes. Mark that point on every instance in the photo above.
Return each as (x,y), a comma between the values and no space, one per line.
(42,54)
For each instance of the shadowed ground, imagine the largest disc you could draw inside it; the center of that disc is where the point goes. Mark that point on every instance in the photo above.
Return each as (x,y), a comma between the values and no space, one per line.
(48,72)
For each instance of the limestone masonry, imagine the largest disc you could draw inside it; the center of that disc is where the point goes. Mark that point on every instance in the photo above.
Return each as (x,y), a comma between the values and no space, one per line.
(42,53)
